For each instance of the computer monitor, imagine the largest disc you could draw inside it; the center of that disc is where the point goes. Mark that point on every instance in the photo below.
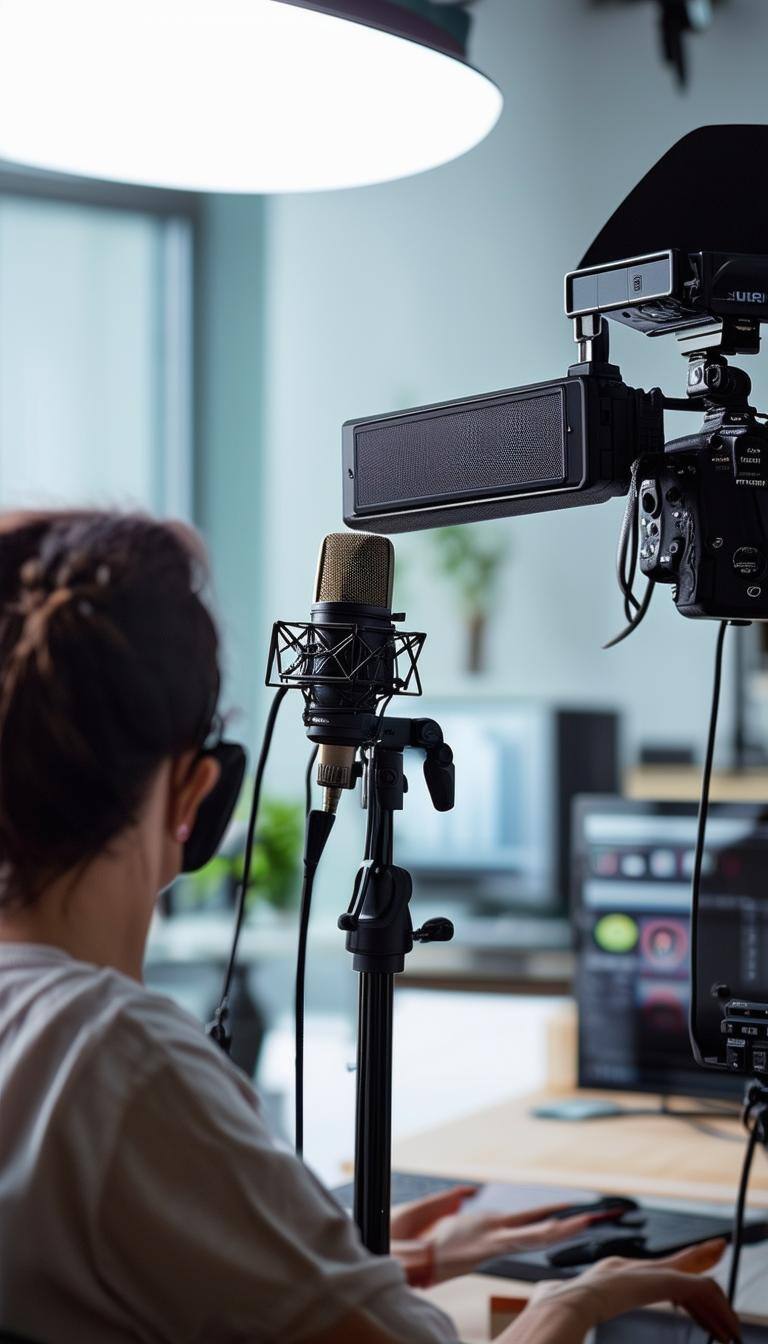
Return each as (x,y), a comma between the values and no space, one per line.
(519,764)
(631,864)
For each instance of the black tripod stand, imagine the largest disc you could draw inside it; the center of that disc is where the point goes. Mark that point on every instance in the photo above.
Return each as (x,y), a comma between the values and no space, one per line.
(379,935)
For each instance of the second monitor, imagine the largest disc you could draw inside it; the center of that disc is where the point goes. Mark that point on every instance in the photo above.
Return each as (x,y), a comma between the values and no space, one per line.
(632,865)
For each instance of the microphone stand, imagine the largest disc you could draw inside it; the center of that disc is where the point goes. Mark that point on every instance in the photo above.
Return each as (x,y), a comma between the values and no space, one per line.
(379,936)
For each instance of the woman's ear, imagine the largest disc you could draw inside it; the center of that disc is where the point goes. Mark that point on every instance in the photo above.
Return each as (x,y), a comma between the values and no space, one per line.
(192,778)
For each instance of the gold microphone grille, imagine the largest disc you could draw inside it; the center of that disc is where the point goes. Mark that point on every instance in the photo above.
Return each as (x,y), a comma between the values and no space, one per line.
(356,567)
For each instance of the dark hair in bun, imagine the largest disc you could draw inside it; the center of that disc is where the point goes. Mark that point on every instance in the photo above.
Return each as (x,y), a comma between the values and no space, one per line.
(108,665)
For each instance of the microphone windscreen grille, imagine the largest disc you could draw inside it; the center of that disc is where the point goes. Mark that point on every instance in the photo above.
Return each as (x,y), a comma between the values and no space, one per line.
(356,567)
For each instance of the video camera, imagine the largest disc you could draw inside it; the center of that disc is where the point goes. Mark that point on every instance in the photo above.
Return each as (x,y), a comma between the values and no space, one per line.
(697,513)
(686,254)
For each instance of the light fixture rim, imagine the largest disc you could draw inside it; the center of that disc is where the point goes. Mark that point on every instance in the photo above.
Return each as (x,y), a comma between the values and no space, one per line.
(351,14)
(391,16)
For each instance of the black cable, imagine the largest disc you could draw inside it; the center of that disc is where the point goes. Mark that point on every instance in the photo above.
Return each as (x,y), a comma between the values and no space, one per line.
(701,828)
(217,1029)
(301,963)
(737,1236)
(628,553)
(640,613)
(308,781)
(738,1216)
(629,549)
(298,1011)
(631,604)
(319,826)
(626,558)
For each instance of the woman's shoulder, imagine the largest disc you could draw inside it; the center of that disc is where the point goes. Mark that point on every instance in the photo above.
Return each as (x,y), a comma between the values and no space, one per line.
(152,1029)
(103,1021)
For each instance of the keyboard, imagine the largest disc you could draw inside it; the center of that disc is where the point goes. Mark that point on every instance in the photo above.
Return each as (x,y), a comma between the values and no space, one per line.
(642,1231)
(406,1186)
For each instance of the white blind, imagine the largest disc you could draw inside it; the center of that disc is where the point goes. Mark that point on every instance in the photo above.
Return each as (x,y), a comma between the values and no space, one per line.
(95,345)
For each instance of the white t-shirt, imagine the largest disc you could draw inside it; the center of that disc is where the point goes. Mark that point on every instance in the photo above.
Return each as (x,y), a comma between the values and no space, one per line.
(142,1197)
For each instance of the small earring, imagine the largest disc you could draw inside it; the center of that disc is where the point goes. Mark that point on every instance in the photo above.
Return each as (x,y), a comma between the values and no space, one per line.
(182,833)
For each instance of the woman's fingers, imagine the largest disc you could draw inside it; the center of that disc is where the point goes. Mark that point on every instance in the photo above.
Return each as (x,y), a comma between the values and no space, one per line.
(704,1297)
(529,1237)
(537,1215)
(409,1219)
(695,1259)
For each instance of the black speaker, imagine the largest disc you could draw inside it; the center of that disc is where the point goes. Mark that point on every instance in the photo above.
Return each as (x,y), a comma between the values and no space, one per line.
(548,446)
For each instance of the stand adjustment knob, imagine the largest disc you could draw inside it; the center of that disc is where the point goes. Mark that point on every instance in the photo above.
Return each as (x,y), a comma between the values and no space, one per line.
(437,930)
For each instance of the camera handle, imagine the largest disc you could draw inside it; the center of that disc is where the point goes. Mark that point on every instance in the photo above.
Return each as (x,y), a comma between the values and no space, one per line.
(380,934)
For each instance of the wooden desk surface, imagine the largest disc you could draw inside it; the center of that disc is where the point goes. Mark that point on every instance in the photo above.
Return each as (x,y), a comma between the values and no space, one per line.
(633,1155)
(684,782)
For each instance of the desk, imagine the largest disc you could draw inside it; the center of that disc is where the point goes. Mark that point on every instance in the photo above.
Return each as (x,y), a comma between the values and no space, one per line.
(684,782)
(649,1156)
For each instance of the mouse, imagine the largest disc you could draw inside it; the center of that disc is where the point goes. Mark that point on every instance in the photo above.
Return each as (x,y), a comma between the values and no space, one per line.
(613,1206)
(588,1252)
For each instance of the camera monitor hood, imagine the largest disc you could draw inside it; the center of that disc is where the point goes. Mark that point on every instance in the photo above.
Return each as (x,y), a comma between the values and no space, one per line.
(708,193)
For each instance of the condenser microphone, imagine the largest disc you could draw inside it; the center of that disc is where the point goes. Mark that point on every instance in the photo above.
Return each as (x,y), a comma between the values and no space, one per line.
(353,652)
(348,660)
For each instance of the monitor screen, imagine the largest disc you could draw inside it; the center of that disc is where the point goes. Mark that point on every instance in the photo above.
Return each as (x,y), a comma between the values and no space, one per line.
(495,844)
(519,764)
(632,864)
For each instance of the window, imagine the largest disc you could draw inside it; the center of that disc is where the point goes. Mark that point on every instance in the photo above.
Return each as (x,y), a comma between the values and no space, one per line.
(95,355)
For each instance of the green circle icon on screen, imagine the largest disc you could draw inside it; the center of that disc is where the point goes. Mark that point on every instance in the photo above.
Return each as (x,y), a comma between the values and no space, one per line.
(616,933)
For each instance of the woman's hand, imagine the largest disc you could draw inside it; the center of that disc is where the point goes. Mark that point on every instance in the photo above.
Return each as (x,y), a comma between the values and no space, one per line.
(565,1311)
(435,1242)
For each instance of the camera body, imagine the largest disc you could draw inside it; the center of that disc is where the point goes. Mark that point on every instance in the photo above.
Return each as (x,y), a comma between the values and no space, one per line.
(703,514)
(704,523)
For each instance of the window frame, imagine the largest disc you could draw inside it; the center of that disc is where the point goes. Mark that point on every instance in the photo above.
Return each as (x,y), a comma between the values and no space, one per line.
(177,470)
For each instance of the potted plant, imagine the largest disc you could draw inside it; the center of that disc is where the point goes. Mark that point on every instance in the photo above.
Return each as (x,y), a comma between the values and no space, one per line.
(275,862)
(471,557)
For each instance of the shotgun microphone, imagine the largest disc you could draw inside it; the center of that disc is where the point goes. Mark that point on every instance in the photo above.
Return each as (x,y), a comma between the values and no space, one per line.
(353,602)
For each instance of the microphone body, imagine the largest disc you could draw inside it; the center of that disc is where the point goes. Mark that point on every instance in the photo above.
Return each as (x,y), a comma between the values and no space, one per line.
(353,641)
(340,719)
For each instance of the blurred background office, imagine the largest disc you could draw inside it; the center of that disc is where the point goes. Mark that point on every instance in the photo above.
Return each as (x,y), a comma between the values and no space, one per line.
(197,355)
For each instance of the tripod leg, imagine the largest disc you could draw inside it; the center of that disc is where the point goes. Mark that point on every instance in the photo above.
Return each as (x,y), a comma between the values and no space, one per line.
(373,1125)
